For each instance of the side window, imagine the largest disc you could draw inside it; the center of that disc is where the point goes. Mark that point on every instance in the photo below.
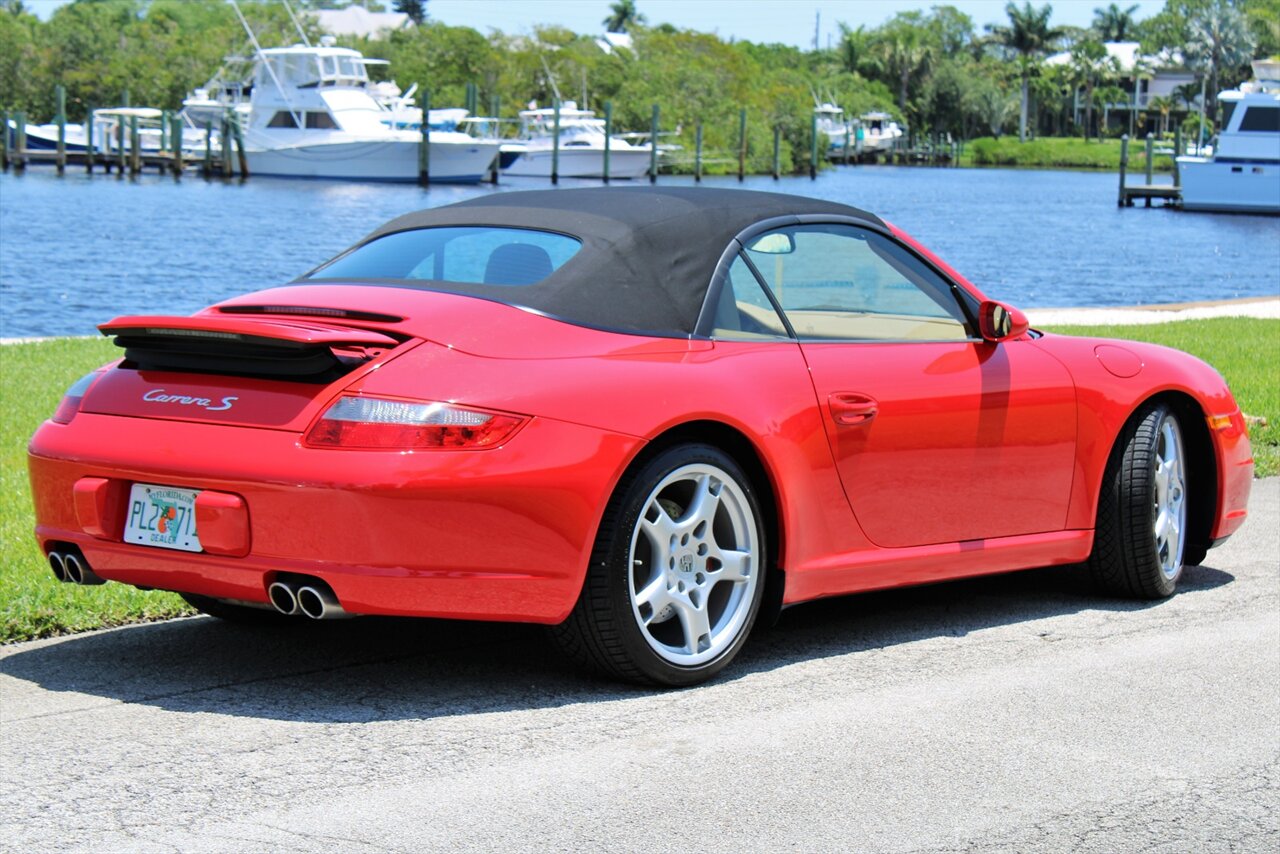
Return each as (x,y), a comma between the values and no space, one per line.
(743,310)
(839,282)
(1263,119)
(283,119)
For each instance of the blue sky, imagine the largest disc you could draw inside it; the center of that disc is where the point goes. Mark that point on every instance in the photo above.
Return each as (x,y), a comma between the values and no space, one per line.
(787,21)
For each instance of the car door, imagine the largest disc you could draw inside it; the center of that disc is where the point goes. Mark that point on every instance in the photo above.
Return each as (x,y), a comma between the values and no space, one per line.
(938,436)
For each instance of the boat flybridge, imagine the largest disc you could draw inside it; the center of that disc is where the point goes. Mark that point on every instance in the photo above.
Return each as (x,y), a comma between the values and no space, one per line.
(582,144)
(308,112)
(1244,172)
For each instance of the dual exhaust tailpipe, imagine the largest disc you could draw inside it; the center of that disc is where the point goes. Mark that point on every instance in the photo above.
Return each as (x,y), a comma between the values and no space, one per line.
(71,567)
(310,598)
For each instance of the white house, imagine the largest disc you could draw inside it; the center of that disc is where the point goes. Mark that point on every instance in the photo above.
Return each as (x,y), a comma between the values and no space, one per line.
(359,22)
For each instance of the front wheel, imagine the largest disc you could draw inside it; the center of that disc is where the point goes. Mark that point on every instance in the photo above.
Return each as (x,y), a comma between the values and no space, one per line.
(676,577)
(1140,545)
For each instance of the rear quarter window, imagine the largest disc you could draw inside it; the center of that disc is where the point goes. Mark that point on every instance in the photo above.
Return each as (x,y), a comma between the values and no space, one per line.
(478,255)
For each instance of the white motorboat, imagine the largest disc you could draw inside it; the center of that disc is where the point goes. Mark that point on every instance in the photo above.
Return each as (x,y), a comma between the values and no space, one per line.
(831,123)
(307,112)
(581,149)
(104,125)
(878,132)
(1243,173)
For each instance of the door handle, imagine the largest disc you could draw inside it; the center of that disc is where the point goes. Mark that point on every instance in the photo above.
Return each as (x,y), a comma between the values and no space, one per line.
(851,408)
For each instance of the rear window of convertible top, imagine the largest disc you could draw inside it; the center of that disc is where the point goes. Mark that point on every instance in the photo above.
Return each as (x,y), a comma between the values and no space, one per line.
(480,255)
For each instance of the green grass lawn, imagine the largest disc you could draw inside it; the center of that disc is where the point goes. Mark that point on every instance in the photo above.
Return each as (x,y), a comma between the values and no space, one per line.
(33,377)
(1245,351)
(1059,152)
(32,604)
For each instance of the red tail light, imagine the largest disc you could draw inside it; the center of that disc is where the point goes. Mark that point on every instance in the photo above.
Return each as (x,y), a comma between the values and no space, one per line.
(377,423)
(70,404)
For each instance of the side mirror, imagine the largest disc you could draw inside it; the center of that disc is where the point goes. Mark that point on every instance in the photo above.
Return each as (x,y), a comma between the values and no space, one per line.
(1000,322)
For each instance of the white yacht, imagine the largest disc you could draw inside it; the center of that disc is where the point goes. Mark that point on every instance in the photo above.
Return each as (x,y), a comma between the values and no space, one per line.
(307,112)
(878,132)
(582,140)
(1243,174)
(831,122)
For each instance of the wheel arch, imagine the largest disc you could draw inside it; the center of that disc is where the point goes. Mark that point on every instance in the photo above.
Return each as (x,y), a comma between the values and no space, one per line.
(747,454)
(1202,459)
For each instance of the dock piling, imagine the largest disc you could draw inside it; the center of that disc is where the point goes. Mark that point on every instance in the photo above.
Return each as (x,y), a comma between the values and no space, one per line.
(225,139)
(777,152)
(697,153)
(238,138)
(424,143)
(1123,199)
(60,95)
(207,168)
(1177,152)
(742,145)
(555,144)
(813,147)
(135,146)
(19,141)
(175,139)
(4,140)
(121,150)
(608,138)
(90,154)
(848,132)
(1151,158)
(653,146)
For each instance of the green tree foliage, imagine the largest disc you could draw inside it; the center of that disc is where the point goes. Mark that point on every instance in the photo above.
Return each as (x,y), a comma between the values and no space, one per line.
(415,9)
(931,70)
(1029,36)
(622,16)
(1113,24)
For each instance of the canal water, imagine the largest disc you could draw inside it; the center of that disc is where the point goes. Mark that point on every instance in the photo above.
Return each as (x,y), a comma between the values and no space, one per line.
(78,250)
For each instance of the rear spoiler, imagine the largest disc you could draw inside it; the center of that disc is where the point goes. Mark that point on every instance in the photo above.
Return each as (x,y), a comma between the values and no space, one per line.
(287,349)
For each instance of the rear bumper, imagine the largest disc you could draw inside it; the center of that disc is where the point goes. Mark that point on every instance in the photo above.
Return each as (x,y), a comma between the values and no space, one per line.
(501,534)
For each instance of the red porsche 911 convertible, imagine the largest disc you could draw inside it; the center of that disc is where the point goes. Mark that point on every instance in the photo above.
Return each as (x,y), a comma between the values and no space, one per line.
(648,417)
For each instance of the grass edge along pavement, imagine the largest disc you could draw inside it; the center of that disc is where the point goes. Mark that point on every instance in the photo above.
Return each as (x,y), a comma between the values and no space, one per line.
(34,375)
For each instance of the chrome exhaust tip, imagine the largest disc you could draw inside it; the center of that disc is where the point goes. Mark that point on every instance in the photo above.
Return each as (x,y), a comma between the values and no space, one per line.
(78,571)
(282,598)
(320,604)
(75,572)
(58,564)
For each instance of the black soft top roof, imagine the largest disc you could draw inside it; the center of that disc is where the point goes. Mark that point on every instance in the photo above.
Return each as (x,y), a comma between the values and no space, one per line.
(648,253)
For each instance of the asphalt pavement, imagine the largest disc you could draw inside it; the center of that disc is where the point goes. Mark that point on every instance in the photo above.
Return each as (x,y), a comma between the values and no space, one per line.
(1011,713)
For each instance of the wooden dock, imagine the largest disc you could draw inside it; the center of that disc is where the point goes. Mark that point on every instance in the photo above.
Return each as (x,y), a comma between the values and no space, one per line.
(1170,194)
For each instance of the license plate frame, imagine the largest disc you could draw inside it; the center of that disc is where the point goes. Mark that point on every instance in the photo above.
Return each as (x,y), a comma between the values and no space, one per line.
(162,517)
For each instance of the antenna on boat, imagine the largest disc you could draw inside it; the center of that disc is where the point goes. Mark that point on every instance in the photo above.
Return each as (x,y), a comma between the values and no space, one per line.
(292,17)
(257,48)
(551,78)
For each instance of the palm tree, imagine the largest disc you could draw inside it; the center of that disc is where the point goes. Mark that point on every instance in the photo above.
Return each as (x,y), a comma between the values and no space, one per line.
(1030,36)
(1112,24)
(1164,106)
(904,51)
(1220,39)
(1091,65)
(624,16)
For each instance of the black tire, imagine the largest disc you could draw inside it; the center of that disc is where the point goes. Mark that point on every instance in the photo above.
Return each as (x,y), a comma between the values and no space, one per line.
(245,615)
(604,632)
(1128,558)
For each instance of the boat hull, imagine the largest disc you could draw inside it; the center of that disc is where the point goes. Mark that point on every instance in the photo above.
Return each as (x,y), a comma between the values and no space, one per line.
(1244,187)
(393,160)
(581,163)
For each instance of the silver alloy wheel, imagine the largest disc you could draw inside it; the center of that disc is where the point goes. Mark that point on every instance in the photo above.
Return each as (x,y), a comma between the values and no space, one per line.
(1169,512)
(695,564)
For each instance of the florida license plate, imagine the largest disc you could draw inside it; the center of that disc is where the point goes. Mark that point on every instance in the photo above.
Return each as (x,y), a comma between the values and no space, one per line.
(162,516)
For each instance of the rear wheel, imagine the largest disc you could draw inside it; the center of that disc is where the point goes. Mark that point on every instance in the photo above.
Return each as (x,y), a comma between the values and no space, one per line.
(676,576)
(1140,546)
(233,613)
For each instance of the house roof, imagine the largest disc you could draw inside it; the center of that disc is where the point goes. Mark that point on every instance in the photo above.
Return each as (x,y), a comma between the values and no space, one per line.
(359,22)
(1127,56)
